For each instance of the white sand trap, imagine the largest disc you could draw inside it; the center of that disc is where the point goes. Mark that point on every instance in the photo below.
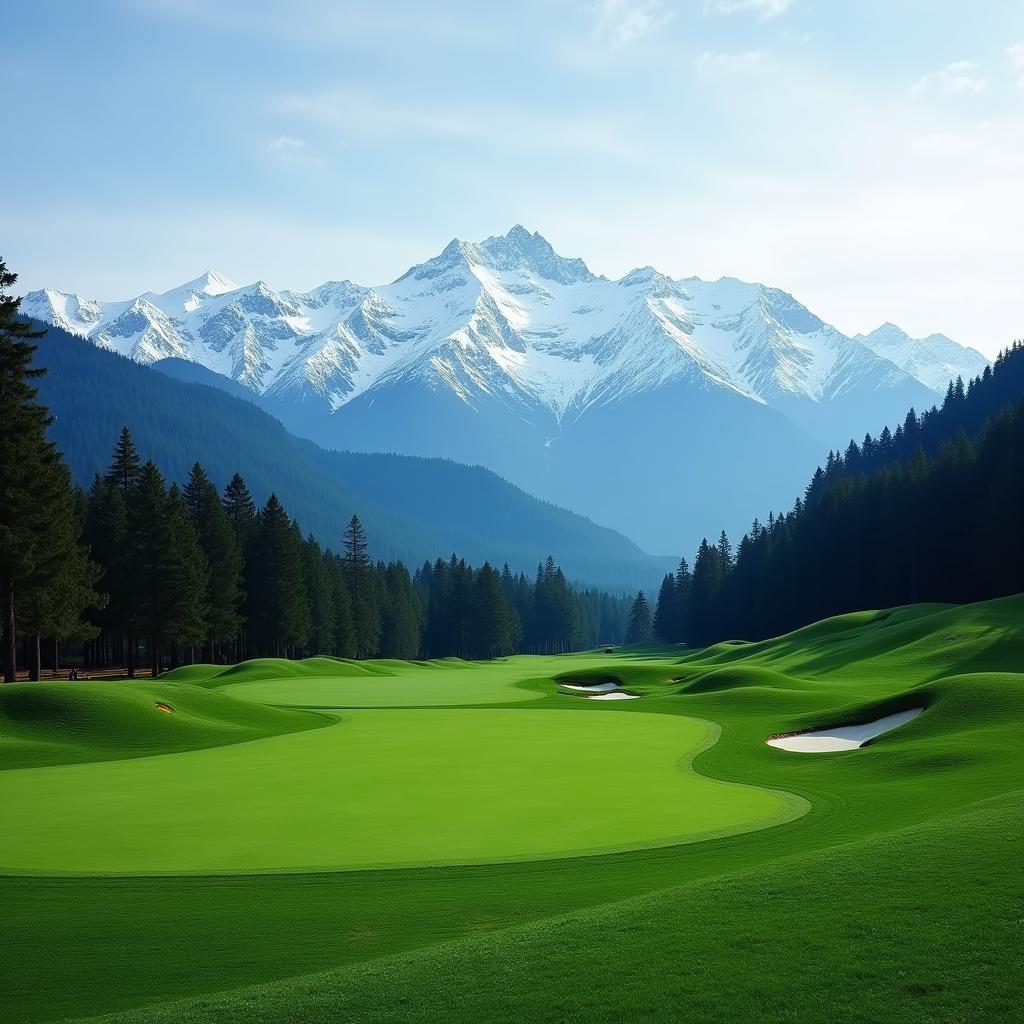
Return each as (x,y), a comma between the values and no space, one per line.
(847,737)
(617,695)
(592,688)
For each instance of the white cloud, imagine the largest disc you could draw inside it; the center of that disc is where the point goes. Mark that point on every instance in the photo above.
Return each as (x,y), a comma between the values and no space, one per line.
(709,63)
(961,78)
(764,9)
(625,21)
(290,150)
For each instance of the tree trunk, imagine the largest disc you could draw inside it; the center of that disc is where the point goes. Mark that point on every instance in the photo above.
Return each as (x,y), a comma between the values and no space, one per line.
(56,656)
(35,658)
(10,642)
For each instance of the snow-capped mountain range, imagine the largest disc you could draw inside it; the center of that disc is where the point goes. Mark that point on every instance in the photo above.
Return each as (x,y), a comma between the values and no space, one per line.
(506,353)
(934,361)
(509,318)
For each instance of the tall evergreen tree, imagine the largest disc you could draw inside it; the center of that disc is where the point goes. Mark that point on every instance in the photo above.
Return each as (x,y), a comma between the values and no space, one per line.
(38,522)
(125,467)
(665,622)
(240,509)
(241,513)
(639,620)
(280,605)
(223,552)
(491,630)
(682,592)
(400,616)
(320,597)
(168,580)
(357,568)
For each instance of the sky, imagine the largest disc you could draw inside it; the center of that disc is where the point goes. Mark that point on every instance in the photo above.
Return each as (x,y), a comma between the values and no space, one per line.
(867,157)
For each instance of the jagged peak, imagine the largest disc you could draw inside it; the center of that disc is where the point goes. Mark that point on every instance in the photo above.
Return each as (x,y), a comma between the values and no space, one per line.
(516,250)
(210,282)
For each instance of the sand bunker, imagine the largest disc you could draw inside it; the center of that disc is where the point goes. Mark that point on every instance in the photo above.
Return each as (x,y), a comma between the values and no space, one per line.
(847,737)
(617,695)
(592,687)
(165,708)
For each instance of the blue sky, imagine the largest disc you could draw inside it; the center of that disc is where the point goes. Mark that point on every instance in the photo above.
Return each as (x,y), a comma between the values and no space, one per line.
(867,157)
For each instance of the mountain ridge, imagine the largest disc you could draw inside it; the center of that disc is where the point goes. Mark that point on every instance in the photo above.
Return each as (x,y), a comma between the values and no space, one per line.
(485,319)
(615,398)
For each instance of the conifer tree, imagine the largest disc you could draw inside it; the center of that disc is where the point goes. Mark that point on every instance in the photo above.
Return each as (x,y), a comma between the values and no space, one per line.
(125,466)
(400,617)
(639,620)
(38,525)
(241,513)
(666,610)
(240,509)
(491,622)
(344,630)
(106,533)
(682,592)
(357,569)
(280,605)
(168,578)
(223,552)
(320,596)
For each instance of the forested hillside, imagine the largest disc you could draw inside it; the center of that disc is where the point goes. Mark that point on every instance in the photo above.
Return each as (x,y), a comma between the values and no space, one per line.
(933,511)
(192,574)
(413,508)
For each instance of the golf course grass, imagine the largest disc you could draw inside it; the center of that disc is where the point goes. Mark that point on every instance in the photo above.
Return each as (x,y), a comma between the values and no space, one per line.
(385,788)
(384,841)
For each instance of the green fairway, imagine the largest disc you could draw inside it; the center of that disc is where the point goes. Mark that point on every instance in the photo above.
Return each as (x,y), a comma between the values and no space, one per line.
(451,688)
(385,788)
(724,879)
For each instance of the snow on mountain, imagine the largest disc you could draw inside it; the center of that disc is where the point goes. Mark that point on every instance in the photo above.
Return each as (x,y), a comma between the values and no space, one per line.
(935,360)
(505,320)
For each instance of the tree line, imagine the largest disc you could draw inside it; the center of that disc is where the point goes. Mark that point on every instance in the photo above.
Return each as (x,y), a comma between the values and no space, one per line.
(197,575)
(933,511)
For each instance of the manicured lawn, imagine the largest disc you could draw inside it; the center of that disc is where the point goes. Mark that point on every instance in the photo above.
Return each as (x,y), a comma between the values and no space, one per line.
(384,788)
(898,896)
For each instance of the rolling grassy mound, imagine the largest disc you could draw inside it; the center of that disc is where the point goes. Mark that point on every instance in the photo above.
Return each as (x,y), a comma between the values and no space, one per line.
(68,723)
(896,897)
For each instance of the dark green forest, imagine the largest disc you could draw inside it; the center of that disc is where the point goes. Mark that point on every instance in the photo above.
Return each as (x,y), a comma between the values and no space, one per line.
(932,511)
(196,574)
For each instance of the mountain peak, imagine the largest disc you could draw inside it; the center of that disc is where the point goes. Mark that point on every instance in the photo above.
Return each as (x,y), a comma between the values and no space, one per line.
(211,283)
(519,250)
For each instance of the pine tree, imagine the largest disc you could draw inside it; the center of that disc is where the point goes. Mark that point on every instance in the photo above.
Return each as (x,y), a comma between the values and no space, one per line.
(168,580)
(189,611)
(682,591)
(344,629)
(280,605)
(223,552)
(240,509)
(639,620)
(38,529)
(106,533)
(665,613)
(357,570)
(241,513)
(125,467)
(491,622)
(400,617)
(320,597)
(52,604)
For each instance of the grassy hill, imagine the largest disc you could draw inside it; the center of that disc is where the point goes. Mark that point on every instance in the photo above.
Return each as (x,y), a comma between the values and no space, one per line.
(894,894)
